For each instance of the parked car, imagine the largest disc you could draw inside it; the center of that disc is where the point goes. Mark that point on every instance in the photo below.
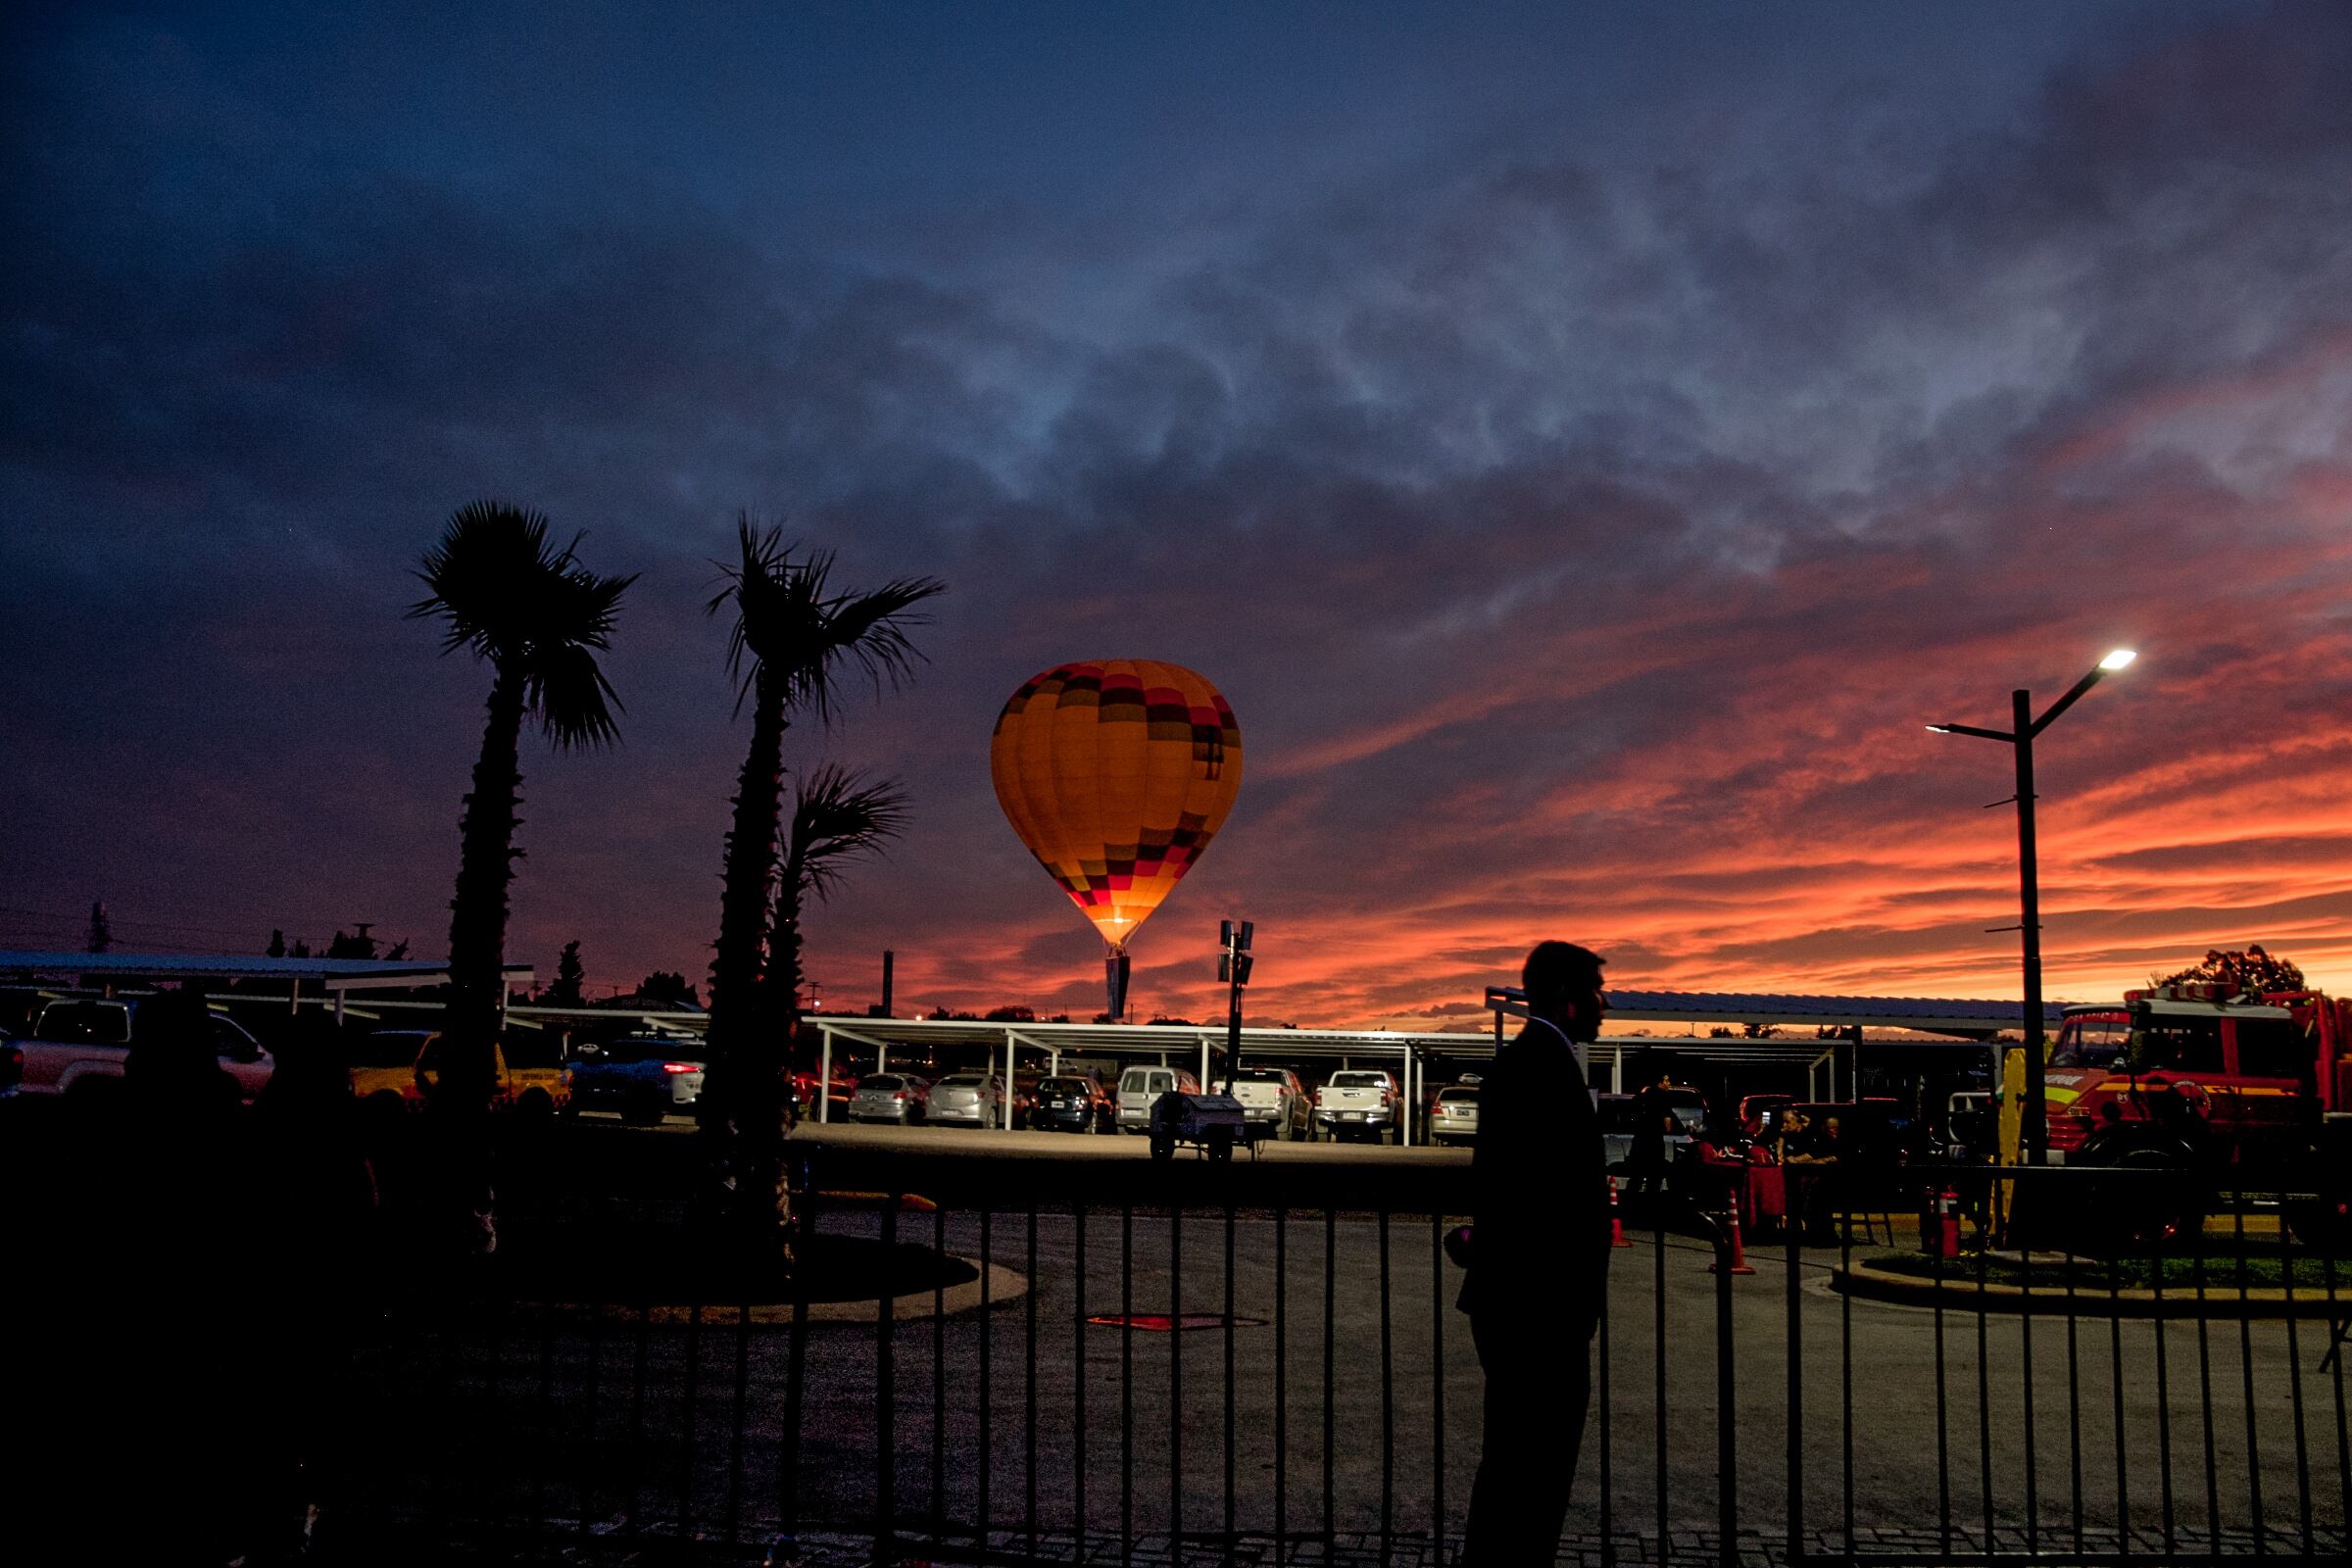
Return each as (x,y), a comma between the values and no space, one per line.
(1621,1125)
(642,1079)
(1139,1087)
(967,1099)
(1274,1101)
(1454,1119)
(898,1097)
(78,1046)
(1356,1101)
(1075,1104)
(529,1078)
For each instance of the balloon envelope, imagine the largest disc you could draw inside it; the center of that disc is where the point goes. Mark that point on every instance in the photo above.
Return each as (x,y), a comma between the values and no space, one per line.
(1116,773)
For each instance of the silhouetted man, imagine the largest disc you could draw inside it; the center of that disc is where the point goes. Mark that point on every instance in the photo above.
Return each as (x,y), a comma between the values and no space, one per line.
(1538,1263)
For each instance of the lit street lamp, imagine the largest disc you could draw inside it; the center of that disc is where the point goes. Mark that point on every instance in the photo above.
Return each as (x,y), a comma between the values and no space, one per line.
(2033,1123)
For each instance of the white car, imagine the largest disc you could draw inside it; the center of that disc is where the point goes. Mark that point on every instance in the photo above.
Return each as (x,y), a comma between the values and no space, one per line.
(80,1045)
(1356,1101)
(967,1099)
(1453,1119)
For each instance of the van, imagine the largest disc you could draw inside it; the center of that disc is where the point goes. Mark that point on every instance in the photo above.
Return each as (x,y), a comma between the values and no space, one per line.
(1140,1085)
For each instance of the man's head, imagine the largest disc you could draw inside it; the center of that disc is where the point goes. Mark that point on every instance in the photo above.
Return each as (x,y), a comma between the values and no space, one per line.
(1562,982)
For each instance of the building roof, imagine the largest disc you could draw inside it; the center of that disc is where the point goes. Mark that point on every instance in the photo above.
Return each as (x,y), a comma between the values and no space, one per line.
(332,975)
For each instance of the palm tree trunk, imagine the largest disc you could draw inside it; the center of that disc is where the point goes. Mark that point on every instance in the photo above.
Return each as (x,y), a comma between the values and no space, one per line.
(746,1098)
(477,943)
(477,926)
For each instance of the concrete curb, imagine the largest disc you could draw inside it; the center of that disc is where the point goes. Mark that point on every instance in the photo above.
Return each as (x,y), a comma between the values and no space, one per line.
(1962,1293)
(1004,1285)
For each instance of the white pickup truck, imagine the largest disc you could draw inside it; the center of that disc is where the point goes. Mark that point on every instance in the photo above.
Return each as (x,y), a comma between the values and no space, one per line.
(1357,1102)
(80,1046)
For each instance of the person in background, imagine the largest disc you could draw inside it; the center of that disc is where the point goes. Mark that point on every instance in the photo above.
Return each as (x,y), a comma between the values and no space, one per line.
(1538,1263)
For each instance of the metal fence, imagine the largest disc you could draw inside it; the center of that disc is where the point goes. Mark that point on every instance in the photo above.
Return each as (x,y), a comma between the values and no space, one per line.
(1116,1361)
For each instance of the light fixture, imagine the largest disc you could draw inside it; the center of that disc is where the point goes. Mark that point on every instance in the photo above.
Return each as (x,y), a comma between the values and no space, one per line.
(2119,659)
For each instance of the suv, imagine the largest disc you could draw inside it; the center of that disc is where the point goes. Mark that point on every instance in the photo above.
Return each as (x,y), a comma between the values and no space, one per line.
(80,1045)
(394,1066)
(1139,1087)
(1356,1100)
(1074,1103)
(1273,1098)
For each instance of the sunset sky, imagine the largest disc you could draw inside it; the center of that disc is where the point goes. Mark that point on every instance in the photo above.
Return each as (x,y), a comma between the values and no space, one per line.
(1585,444)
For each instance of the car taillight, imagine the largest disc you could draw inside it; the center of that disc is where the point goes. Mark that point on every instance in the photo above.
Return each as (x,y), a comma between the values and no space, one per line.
(681,1066)
(899,1096)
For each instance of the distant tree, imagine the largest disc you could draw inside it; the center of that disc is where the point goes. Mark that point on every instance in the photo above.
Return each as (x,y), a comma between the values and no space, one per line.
(1009,1015)
(1720,1032)
(667,985)
(352,945)
(1103,1017)
(278,944)
(538,618)
(2250,969)
(398,951)
(1059,1017)
(302,949)
(791,637)
(102,931)
(1165,1018)
(1760,1031)
(565,992)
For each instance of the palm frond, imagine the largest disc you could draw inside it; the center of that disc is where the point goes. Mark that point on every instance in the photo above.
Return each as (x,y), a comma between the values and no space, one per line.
(839,815)
(792,632)
(532,610)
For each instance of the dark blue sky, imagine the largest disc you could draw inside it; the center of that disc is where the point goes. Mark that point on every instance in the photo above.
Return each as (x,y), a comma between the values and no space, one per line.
(1584,443)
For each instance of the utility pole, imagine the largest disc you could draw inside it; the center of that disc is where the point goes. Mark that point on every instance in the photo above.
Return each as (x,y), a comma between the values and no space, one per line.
(1233,967)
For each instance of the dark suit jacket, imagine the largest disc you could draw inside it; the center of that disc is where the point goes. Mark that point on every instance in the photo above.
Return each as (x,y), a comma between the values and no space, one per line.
(1540,1238)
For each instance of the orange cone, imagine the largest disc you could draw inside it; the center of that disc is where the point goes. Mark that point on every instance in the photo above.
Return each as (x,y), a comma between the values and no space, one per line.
(1739,1265)
(1616,1225)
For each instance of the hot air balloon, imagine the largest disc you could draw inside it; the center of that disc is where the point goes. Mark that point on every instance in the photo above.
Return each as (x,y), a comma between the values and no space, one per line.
(1116,773)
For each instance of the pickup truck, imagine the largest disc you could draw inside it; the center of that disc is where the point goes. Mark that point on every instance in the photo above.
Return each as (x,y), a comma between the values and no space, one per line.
(385,1068)
(642,1079)
(78,1046)
(1356,1101)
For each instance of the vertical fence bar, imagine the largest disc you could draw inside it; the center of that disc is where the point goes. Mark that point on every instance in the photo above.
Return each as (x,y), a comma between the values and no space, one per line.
(2024,1343)
(1029,1390)
(1608,1515)
(1943,1435)
(1388,1400)
(2164,1400)
(796,1369)
(743,1400)
(686,1405)
(985,1393)
(2245,1364)
(2213,1476)
(1175,1384)
(2074,1411)
(939,1377)
(2115,1376)
(1078,1327)
(1984,1384)
(1229,1432)
(1437,1383)
(1282,1387)
(2335,1361)
(1658,1347)
(1792,1233)
(1127,1382)
(1845,1371)
(2294,1384)
(886,1398)
(1331,1240)
(1727,1408)
(592,1389)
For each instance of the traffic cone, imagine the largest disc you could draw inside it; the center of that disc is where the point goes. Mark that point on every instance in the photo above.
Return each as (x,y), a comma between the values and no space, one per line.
(1740,1263)
(1616,1225)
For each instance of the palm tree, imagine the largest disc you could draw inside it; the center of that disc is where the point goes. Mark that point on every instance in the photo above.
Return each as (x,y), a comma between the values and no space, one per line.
(539,619)
(837,818)
(792,639)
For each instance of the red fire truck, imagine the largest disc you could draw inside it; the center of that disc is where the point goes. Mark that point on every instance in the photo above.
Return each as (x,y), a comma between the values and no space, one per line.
(2247,1090)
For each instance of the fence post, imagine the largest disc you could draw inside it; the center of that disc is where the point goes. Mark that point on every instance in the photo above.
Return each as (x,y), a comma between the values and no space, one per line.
(1727,1408)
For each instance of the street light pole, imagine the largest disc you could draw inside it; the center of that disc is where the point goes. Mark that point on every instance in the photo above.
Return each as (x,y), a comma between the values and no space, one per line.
(2034,1113)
